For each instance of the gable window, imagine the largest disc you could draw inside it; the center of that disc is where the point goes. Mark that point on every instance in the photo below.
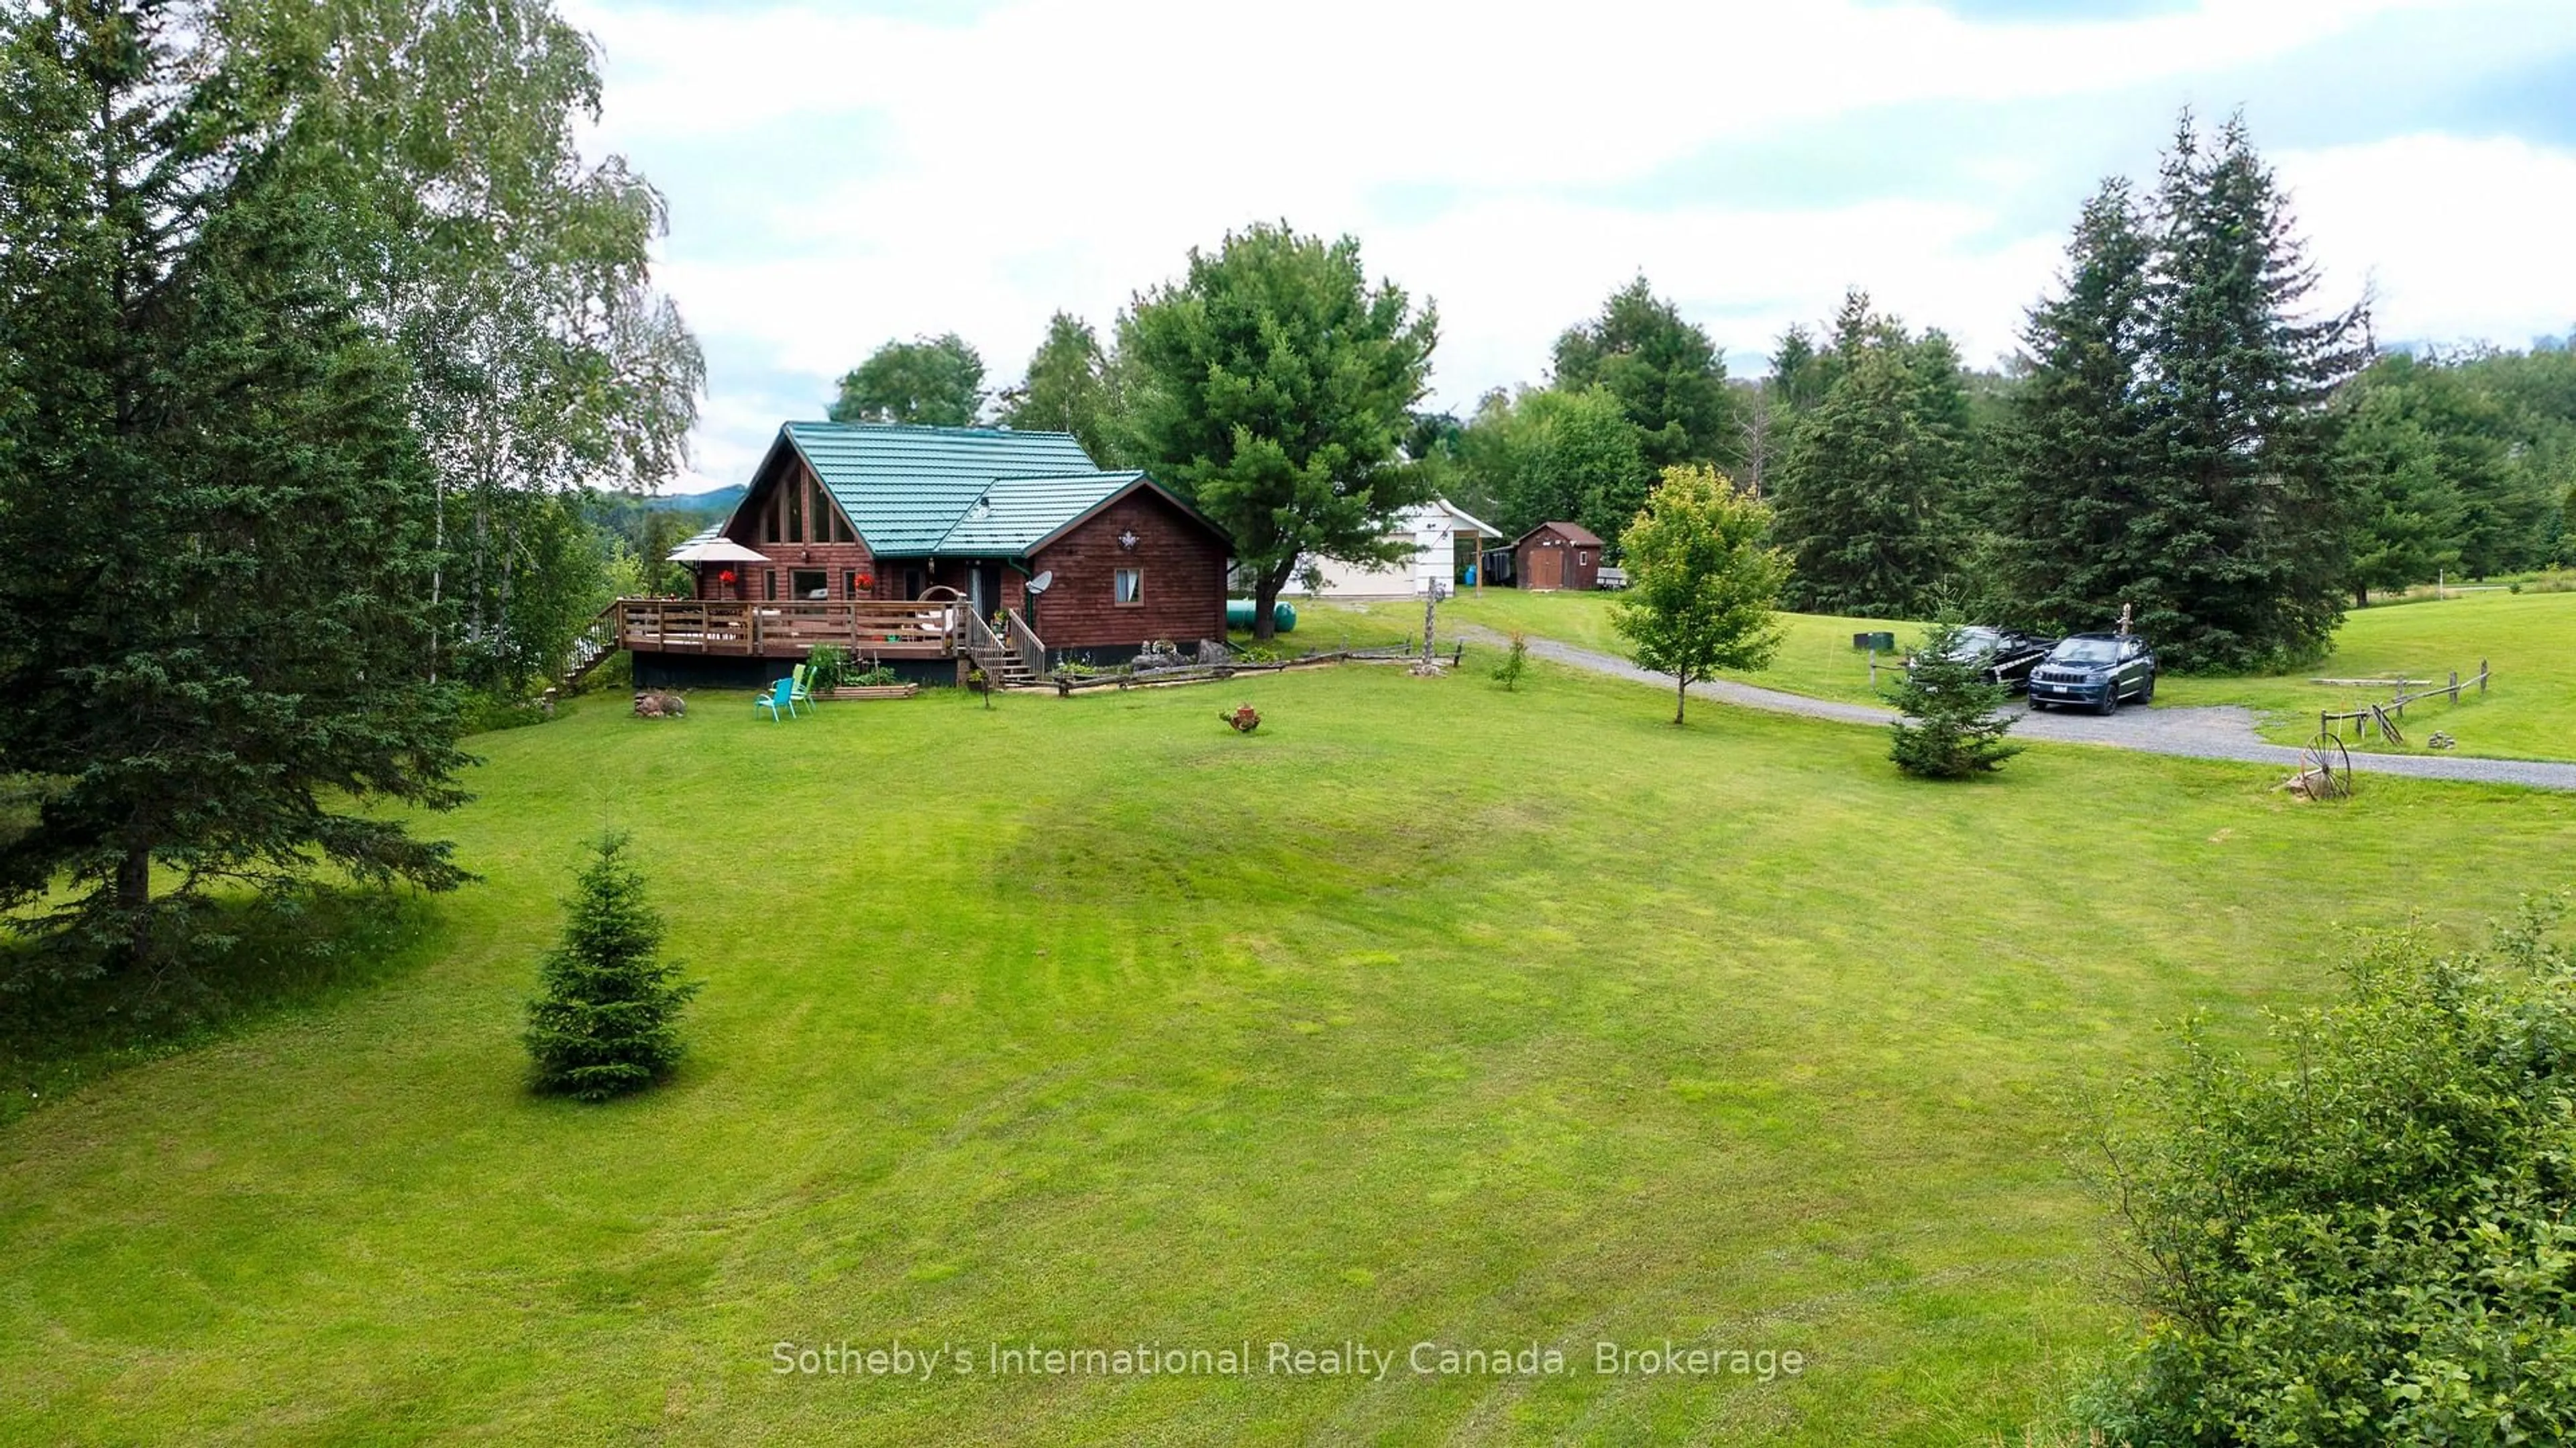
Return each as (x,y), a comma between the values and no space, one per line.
(829,525)
(1129,585)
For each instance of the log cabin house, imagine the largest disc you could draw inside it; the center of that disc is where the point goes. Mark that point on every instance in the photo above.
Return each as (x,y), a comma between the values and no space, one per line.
(932,550)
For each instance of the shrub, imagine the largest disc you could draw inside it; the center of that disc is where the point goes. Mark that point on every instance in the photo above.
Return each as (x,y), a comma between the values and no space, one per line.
(479,712)
(1515,662)
(1950,729)
(608,1020)
(826,667)
(2369,1236)
(612,675)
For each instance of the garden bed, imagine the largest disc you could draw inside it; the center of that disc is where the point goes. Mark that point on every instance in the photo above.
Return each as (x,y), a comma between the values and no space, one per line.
(856,692)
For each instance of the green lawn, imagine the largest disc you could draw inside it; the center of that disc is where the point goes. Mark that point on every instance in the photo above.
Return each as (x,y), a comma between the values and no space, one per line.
(1428,1013)
(2529,638)
(1816,656)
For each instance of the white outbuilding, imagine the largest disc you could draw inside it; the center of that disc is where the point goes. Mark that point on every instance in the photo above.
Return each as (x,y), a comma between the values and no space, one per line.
(1446,543)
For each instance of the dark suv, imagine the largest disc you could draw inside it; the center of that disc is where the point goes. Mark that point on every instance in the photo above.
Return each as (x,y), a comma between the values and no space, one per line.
(2096,669)
(2005,656)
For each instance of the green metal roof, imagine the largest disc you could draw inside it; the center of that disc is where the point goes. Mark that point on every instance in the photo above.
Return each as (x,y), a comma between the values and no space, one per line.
(905,488)
(1014,514)
(963,492)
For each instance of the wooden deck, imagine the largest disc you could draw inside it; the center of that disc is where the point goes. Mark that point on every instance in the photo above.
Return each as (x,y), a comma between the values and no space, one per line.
(872,627)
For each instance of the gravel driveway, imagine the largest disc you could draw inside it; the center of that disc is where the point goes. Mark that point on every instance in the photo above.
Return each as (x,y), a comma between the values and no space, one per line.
(2208,733)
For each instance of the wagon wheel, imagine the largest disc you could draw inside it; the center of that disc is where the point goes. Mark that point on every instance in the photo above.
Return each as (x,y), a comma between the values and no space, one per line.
(2328,765)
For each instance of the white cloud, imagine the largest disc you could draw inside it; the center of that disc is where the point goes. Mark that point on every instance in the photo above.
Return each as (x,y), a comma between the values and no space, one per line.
(1055,154)
(2461,239)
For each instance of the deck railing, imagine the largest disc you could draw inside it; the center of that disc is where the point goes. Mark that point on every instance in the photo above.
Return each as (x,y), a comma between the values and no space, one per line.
(879,627)
(977,641)
(1026,643)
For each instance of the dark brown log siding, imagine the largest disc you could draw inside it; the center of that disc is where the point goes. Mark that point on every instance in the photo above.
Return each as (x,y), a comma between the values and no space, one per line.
(836,561)
(1183,563)
(1184,566)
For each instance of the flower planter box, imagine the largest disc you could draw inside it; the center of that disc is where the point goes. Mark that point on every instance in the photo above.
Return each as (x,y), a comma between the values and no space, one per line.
(872,691)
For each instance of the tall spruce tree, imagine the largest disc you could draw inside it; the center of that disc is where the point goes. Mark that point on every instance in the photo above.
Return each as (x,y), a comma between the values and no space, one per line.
(1668,376)
(2240,542)
(2075,436)
(2403,451)
(224,647)
(2173,448)
(1866,494)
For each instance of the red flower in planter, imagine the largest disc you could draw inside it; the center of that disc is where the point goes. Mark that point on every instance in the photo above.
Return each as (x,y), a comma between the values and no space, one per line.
(725,577)
(867,580)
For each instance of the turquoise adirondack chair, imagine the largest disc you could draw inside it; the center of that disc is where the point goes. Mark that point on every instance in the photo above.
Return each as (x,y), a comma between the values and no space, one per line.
(802,694)
(780,701)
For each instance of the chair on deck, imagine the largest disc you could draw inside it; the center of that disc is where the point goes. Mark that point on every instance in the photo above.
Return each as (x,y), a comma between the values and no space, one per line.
(802,693)
(779,701)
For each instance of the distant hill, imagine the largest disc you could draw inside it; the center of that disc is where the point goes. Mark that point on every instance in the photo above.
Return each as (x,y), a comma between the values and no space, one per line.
(717,500)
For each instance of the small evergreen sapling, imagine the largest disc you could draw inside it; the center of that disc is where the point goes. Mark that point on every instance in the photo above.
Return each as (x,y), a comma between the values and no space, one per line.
(608,1020)
(1951,729)
(1515,661)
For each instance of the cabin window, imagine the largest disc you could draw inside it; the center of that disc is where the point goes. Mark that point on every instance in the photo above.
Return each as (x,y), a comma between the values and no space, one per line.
(1130,585)
(769,518)
(796,512)
(808,583)
(769,582)
(912,583)
(828,525)
(850,584)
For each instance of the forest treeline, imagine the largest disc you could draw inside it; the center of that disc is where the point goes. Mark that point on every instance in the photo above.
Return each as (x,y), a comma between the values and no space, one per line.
(2185,429)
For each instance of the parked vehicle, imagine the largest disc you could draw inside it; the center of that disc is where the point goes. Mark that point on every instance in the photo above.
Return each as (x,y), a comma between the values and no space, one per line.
(2006,655)
(2100,670)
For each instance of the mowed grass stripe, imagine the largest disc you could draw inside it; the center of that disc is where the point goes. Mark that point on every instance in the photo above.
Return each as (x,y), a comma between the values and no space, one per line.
(1429,1011)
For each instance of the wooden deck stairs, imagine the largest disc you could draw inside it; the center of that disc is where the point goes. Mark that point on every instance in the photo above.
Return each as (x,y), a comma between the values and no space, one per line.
(594,646)
(1014,658)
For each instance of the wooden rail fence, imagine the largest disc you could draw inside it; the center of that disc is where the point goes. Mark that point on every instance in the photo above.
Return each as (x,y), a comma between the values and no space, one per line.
(2384,717)
(1069,684)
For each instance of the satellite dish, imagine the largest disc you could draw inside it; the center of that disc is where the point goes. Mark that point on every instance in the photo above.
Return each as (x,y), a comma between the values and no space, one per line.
(1039,584)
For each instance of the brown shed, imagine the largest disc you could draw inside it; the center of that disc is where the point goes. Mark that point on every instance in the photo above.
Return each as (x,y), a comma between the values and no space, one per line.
(1557,555)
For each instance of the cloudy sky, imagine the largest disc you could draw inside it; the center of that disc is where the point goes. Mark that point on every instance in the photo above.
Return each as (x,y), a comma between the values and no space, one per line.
(840,174)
